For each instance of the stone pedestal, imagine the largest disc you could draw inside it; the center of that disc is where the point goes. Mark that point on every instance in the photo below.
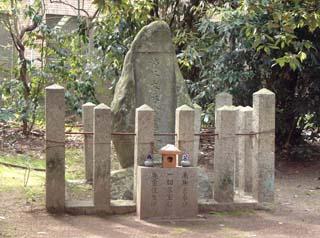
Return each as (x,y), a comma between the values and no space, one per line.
(167,193)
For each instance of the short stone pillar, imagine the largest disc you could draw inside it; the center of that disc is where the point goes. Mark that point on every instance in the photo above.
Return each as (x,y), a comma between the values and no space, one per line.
(55,149)
(144,139)
(264,145)
(245,148)
(185,131)
(238,158)
(102,158)
(223,99)
(224,154)
(197,129)
(87,121)
(167,193)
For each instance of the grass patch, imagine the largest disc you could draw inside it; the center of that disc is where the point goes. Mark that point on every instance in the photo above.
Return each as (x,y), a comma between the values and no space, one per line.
(75,167)
(32,187)
(17,180)
(23,160)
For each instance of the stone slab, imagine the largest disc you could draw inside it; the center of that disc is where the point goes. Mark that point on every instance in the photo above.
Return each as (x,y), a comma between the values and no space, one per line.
(212,206)
(87,207)
(167,193)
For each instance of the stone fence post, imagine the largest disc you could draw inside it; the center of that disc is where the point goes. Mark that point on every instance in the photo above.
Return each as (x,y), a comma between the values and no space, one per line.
(185,131)
(245,149)
(222,99)
(102,158)
(55,149)
(225,154)
(197,130)
(144,139)
(264,125)
(87,121)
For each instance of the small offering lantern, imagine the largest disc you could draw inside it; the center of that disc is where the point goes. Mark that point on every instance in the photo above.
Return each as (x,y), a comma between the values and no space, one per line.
(169,155)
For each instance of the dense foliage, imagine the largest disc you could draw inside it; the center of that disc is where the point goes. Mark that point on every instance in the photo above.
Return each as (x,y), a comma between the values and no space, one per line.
(273,44)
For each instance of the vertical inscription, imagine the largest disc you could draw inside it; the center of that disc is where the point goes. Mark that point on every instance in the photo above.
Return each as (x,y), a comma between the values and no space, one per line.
(185,189)
(154,89)
(167,193)
(155,78)
(170,183)
(154,188)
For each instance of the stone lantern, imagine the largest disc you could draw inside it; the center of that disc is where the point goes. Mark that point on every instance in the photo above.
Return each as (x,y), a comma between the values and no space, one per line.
(169,155)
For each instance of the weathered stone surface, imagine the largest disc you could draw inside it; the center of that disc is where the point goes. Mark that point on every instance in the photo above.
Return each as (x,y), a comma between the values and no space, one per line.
(87,121)
(185,131)
(238,163)
(167,193)
(264,145)
(144,130)
(55,150)
(197,129)
(245,149)
(150,76)
(223,99)
(204,185)
(122,184)
(102,158)
(225,154)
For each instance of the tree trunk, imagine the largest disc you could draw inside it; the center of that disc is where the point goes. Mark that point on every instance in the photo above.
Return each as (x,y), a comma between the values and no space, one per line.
(23,77)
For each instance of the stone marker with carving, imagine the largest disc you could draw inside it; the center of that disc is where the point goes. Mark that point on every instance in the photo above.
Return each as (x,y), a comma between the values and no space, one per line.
(167,193)
(150,76)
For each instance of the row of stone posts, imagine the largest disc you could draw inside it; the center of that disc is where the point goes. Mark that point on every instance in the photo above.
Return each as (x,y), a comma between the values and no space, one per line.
(243,156)
(244,148)
(144,135)
(97,140)
(97,151)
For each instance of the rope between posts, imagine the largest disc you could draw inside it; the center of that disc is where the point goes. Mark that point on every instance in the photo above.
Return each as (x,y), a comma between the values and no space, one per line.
(255,133)
(172,134)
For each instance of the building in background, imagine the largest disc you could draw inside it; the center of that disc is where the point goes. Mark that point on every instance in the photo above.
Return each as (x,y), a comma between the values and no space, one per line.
(58,13)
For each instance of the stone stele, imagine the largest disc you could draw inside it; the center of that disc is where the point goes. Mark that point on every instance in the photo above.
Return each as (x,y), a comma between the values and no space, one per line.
(151,76)
(167,193)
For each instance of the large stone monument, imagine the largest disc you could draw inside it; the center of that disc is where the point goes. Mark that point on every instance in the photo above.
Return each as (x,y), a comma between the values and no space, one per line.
(150,76)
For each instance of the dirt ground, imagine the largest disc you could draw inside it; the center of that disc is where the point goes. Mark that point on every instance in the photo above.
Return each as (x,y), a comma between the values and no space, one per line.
(296,212)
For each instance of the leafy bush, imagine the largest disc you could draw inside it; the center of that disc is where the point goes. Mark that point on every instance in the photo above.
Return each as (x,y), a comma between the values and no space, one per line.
(255,44)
